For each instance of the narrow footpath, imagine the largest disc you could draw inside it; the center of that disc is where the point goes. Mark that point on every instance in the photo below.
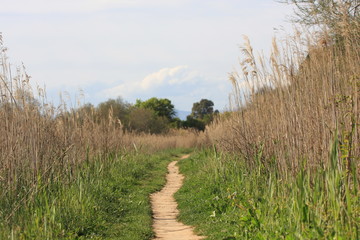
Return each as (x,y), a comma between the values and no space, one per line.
(165,211)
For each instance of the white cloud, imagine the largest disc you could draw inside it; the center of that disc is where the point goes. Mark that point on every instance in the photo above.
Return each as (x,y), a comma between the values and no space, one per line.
(160,79)
(182,85)
(171,76)
(93,44)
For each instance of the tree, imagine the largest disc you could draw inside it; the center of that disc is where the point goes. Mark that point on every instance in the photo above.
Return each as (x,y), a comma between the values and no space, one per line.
(191,122)
(176,123)
(202,108)
(202,113)
(337,16)
(120,109)
(145,120)
(162,107)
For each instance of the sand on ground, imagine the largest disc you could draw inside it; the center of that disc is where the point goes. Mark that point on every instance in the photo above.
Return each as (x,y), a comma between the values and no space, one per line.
(165,210)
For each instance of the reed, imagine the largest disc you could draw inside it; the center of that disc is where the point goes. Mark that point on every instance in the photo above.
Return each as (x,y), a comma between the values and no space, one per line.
(42,146)
(290,105)
(286,158)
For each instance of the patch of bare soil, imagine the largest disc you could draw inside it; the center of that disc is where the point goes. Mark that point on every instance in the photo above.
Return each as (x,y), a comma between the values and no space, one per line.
(165,209)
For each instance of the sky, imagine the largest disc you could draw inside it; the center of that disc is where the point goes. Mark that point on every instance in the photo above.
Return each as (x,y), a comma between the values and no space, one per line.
(182,50)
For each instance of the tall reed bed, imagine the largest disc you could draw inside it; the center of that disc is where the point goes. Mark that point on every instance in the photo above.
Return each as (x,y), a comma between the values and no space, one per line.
(41,144)
(291,106)
(287,157)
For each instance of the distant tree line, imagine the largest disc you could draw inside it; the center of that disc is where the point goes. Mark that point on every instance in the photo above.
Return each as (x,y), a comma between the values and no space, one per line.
(155,115)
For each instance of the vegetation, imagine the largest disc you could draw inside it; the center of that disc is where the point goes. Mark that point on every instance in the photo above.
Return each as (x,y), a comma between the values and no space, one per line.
(118,108)
(75,173)
(227,200)
(282,164)
(191,122)
(311,92)
(161,107)
(285,163)
(202,114)
(202,109)
(153,116)
(331,14)
(108,199)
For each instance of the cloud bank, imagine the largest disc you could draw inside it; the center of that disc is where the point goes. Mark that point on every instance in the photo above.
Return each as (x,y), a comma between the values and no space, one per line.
(113,48)
(180,84)
(164,78)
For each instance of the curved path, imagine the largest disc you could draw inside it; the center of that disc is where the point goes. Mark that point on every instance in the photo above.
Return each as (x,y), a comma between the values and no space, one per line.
(165,209)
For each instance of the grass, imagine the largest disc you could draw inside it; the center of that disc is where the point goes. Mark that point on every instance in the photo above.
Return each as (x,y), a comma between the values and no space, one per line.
(107,200)
(294,101)
(271,175)
(59,175)
(286,163)
(225,200)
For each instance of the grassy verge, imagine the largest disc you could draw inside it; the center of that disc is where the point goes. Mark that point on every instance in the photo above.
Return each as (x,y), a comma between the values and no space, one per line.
(225,200)
(108,200)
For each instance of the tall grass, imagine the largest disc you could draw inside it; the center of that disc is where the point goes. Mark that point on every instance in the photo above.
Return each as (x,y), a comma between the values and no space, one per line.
(42,145)
(227,200)
(291,106)
(286,159)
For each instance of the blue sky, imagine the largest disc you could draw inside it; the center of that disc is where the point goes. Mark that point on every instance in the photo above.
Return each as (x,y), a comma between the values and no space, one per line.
(177,49)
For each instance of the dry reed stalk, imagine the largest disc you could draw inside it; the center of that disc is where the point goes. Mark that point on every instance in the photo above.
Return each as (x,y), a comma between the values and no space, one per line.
(292,110)
(40,144)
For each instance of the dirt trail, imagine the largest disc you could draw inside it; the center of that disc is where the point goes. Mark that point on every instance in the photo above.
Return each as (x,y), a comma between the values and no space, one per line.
(165,209)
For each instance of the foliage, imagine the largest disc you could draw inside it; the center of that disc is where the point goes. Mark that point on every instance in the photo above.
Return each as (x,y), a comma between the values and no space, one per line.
(338,19)
(202,114)
(176,123)
(225,199)
(107,200)
(74,173)
(153,116)
(162,107)
(203,108)
(192,122)
(117,107)
(146,120)
(271,174)
(308,98)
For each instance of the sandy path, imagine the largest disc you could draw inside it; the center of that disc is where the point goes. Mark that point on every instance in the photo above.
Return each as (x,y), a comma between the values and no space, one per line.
(165,209)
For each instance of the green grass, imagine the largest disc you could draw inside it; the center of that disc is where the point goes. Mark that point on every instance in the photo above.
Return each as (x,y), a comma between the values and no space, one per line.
(108,200)
(224,199)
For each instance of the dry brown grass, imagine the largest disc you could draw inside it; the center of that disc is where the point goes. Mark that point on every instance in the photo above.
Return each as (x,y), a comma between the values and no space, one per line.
(176,138)
(291,107)
(39,142)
